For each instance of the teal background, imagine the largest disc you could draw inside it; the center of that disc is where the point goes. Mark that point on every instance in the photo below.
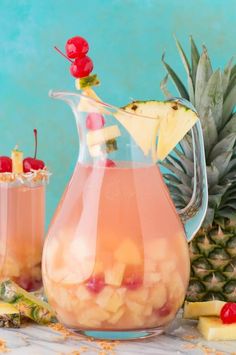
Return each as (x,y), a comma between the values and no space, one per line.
(127,39)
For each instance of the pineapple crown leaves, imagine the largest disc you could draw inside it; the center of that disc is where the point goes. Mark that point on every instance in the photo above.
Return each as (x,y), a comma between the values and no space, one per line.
(213,93)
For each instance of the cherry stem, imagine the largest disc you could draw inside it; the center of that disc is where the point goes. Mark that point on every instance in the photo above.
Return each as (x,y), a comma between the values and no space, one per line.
(59,51)
(35,142)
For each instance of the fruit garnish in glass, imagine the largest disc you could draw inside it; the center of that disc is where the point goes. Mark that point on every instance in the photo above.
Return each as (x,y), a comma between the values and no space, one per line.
(115,261)
(22,214)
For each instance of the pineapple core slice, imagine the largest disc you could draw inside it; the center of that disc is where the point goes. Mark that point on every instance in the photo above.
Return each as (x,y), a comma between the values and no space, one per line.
(212,328)
(194,310)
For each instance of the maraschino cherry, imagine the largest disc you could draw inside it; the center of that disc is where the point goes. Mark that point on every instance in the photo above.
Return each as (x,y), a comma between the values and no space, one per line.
(5,165)
(95,283)
(76,47)
(228,313)
(33,163)
(94,121)
(82,65)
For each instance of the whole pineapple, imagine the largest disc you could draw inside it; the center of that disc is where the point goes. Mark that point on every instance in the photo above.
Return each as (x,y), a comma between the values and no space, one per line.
(213,249)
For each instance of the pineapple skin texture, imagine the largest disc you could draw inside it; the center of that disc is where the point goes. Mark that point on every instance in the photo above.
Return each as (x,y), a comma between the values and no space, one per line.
(213,265)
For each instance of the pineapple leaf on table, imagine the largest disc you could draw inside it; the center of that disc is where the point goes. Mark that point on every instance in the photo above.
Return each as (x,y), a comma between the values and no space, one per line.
(213,93)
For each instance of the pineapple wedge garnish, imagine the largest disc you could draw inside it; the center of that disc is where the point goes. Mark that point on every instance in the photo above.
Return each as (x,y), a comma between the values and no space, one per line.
(194,310)
(212,328)
(170,121)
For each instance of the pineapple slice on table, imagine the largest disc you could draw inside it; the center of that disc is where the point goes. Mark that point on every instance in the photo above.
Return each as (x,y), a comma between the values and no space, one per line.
(27,304)
(9,316)
(212,328)
(194,310)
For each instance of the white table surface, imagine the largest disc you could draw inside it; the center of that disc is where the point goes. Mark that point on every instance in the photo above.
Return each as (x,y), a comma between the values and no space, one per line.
(182,337)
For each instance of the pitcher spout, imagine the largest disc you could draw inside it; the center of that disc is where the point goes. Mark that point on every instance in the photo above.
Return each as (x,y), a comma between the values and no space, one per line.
(72,99)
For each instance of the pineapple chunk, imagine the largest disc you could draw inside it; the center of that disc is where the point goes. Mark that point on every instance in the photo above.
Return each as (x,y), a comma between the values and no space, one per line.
(95,150)
(93,316)
(11,268)
(82,293)
(140,295)
(147,310)
(194,310)
(212,328)
(110,299)
(102,135)
(115,275)
(158,295)
(156,250)
(87,81)
(27,304)
(17,161)
(9,316)
(128,253)
(116,317)
(135,307)
(104,296)
(152,278)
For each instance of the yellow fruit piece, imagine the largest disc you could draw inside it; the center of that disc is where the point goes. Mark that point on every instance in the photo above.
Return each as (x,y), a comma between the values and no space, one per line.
(151,278)
(156,250)
(173,121)
(194,310)
(158,295)
(82,293)
(116,317)
(109,299)
(128,253)
(135,307)
(17,161)
(147,310)
(95,150)
(93,316)
(140,295)
(102,135)
(114,276)
(212,328)
(11,268)
(142,130)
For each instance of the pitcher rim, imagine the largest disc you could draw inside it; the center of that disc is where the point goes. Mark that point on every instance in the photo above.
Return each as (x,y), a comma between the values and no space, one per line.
(52,94)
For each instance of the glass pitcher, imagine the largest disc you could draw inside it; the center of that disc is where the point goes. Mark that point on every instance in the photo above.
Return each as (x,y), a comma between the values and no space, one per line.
(115,261)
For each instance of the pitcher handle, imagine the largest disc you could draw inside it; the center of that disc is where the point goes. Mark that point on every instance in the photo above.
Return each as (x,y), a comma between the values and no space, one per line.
(193,214)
